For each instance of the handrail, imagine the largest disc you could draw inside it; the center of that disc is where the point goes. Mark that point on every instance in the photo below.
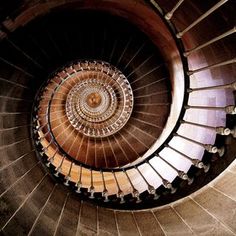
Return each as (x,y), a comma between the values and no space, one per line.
(211,148)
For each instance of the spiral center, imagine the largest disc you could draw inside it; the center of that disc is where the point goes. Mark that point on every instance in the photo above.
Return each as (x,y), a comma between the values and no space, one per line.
(100,101)
(94,100)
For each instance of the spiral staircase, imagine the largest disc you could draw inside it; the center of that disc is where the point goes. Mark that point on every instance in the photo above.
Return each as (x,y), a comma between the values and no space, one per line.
(117,117)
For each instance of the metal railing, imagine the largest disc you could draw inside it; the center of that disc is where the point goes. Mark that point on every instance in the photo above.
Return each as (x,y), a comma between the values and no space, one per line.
(120,193)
